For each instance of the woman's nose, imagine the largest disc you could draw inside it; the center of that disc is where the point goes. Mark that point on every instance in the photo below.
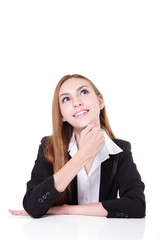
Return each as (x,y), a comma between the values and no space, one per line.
(76,102)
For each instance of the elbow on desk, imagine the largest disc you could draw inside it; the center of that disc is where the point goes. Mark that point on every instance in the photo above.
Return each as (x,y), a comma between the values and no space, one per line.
(125,208)
(139,211)
(32,209)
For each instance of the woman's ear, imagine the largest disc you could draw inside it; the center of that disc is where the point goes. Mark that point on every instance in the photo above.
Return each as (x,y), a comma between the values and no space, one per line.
(101,102)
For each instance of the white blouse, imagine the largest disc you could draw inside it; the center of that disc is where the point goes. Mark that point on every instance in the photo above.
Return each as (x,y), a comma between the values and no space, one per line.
(89,184)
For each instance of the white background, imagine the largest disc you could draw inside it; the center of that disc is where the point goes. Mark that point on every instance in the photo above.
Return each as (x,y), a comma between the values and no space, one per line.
(116,44)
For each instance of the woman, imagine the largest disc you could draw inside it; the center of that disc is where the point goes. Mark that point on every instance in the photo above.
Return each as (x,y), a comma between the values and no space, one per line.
(81,168)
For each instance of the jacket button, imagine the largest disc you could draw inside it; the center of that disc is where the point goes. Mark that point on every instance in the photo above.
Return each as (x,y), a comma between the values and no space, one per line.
(117,214)
(121,214)
(40,200)
(47,193)
(44,196)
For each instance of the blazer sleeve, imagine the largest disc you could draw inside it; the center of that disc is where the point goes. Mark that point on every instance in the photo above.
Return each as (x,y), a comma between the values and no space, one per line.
(131,203)
(41,193)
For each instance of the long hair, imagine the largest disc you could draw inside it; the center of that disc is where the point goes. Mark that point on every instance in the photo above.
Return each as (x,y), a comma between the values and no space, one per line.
(57,145)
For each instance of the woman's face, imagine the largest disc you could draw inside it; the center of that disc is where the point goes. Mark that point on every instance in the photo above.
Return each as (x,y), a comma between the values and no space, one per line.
(79,104)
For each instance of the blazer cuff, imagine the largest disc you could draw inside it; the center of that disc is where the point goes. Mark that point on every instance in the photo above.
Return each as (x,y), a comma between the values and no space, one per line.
(37,201)
(113,213)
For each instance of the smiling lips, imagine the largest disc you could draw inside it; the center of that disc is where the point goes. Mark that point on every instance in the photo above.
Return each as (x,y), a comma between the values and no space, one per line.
(81,113)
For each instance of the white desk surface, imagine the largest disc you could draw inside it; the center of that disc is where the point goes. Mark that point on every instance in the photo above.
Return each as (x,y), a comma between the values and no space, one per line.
(70,227)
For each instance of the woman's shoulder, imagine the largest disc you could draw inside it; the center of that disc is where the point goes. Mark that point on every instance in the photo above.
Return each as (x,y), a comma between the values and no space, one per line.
(43,143)
(124,144)
(44,140)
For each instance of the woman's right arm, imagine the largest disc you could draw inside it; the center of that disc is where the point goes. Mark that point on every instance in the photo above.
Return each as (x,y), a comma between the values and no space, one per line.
(41,193)
(45,187)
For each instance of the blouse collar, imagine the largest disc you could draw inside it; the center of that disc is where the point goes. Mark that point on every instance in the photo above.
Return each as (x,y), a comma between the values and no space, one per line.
(109,148)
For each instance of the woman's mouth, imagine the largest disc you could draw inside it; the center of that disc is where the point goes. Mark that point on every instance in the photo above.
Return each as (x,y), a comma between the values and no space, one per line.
(81,113)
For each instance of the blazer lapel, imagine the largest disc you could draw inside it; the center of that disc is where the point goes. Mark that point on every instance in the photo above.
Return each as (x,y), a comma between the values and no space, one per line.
(108,171)
(74,191)
(74,187)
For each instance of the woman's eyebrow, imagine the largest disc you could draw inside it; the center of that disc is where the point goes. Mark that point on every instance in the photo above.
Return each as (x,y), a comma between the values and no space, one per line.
(78,89)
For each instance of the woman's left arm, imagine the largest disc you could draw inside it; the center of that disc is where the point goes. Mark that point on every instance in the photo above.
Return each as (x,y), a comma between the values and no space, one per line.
(93,209)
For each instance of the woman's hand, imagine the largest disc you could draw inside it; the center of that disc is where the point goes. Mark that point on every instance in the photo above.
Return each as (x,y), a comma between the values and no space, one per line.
(58,210)
(19,212)
(92,140)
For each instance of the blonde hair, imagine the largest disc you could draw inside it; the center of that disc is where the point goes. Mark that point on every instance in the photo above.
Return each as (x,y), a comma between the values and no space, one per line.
(57,145)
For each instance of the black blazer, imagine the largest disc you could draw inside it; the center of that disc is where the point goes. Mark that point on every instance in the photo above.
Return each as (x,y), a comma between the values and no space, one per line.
(118,174)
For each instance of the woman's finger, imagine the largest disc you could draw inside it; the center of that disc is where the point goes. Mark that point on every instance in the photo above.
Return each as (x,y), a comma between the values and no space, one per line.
(19,212)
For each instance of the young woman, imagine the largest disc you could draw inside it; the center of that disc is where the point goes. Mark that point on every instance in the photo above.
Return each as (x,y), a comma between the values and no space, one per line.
(82,168)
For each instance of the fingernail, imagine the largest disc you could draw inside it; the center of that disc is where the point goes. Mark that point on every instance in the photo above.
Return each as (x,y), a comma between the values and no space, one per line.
(94,121)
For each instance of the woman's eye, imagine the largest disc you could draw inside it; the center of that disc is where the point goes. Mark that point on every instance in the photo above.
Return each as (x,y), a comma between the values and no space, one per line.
(84,91)
(66,99)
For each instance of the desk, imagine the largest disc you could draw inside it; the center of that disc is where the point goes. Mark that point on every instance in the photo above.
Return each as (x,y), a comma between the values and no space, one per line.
(71,227)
